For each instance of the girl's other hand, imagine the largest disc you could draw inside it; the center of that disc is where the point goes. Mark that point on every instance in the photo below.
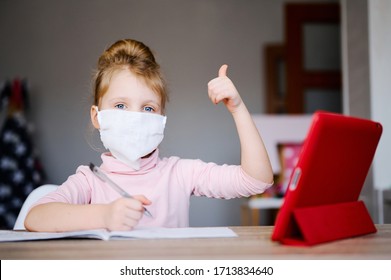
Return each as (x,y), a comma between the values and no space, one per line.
(124,213)
(223,89)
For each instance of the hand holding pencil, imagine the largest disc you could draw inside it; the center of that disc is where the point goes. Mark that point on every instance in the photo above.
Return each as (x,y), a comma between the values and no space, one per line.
(125,212)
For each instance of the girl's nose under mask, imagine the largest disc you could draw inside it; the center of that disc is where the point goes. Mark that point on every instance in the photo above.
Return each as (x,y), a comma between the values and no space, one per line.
(130,135)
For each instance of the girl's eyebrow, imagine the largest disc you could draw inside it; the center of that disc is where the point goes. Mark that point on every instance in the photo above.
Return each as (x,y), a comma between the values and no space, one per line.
(153,102)
(117,99)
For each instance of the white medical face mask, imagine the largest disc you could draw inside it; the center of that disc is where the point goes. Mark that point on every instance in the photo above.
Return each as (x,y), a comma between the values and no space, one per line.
(130,135)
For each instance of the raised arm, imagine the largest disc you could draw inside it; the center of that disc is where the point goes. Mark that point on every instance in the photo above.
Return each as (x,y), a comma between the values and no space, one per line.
(254,158)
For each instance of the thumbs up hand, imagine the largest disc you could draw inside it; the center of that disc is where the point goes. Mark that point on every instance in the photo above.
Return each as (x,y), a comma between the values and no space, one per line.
(223,89)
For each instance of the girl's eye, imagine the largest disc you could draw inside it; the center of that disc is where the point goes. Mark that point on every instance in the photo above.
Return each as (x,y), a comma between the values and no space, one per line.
(149,109)
(120,106)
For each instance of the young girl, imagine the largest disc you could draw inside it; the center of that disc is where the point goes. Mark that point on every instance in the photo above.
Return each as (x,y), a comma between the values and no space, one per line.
(128,110)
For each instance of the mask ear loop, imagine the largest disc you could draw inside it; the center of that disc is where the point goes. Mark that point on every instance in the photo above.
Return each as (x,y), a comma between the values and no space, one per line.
(90,134)
(98,112)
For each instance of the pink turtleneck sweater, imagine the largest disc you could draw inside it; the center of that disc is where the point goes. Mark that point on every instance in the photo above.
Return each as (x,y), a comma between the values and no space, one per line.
(167,182)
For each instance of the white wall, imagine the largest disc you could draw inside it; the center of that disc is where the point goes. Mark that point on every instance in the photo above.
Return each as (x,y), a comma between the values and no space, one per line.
(379,13)
(55,44)
(367,58)
(380,65)
(356,81)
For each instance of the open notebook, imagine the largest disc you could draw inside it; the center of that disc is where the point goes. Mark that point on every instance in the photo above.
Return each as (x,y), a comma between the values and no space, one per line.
(142,233)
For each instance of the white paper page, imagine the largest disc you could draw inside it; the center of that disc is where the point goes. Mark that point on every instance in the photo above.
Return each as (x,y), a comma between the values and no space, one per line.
(165,233)
(11,235)
(141,233)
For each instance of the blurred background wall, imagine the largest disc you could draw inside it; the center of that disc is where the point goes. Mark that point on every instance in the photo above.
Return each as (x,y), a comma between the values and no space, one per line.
(56,44)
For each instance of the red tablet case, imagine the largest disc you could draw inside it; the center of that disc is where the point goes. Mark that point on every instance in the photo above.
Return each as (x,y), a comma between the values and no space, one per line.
(321,203)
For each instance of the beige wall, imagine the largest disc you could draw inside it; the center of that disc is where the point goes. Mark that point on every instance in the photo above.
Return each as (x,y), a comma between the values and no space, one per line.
(55,44)
(366,71)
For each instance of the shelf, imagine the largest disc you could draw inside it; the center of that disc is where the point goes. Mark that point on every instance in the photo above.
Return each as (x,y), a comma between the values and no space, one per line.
(265,203)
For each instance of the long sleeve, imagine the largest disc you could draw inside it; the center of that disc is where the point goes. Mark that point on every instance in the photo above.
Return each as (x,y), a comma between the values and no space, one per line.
(218,181)
(75,190)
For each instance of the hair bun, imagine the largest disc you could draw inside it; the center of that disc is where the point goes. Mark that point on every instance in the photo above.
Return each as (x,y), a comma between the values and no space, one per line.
(128,52)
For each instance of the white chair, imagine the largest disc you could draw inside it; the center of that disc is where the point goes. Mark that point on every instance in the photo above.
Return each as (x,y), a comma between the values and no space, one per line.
(30,200)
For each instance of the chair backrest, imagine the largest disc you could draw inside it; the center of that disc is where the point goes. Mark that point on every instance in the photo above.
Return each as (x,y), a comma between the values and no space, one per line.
(30,200)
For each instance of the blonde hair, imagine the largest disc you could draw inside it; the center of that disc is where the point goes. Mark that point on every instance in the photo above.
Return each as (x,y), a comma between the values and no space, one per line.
(134,56)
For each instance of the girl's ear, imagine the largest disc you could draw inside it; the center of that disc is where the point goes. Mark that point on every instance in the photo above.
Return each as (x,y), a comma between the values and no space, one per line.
(94,116)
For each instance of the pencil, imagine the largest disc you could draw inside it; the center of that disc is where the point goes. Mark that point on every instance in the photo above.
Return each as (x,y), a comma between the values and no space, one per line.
(102,176)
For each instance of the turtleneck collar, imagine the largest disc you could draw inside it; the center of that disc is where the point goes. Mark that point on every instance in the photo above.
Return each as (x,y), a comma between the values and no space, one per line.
(113,165)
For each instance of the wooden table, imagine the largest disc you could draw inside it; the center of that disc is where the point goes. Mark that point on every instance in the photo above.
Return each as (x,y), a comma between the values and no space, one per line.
(253,243)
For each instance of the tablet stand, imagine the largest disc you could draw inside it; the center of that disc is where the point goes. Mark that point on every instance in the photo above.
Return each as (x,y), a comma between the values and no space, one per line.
(326,223)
